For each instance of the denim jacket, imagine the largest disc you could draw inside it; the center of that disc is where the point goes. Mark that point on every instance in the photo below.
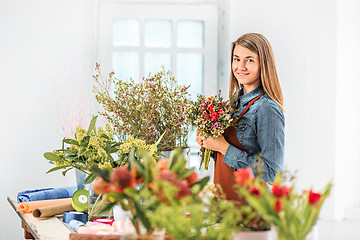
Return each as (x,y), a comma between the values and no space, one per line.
(260,130)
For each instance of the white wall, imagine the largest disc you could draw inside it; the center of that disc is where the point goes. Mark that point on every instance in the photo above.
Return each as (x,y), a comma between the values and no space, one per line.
(303,35)
(43,44)
(347,105)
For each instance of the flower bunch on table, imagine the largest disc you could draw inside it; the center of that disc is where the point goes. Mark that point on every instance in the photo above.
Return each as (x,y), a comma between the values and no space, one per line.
(91,147)
(291,214)
(211,115)
(146,109)
(142,185)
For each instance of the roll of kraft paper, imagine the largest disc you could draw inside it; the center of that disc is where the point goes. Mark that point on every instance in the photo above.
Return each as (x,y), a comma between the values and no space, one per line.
(45,194)
(28,207)
(52,210)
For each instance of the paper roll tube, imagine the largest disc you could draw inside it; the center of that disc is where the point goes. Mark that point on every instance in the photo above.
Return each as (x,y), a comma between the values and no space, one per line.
(52,210)
(28,207)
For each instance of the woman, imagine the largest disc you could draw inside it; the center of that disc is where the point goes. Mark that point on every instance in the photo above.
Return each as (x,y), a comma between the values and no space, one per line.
(260,121)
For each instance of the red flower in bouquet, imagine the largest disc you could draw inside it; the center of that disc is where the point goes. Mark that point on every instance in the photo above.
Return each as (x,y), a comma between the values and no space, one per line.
(214,116)
(314,197)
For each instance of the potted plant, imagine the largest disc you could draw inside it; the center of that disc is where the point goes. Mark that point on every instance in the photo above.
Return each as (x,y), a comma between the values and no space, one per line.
(145,110)
(291,214)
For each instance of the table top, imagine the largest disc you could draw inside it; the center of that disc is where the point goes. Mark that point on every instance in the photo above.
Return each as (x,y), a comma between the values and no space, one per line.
(42,228)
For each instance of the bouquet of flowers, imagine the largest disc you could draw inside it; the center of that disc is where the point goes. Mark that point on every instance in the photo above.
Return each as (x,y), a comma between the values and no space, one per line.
(91,147)
(211,116)
(142,185)
(147,109)
(292,215)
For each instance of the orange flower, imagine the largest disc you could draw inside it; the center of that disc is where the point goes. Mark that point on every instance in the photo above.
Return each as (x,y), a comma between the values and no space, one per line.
(100,186)
(163,163)
(121,178)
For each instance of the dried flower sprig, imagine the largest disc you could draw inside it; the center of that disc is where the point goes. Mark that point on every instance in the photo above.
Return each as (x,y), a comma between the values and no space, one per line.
(147,109)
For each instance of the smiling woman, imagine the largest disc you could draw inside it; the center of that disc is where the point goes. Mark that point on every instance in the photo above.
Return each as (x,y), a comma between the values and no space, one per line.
(258,129)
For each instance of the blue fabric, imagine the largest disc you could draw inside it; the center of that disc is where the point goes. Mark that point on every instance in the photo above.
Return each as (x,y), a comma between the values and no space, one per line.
(260,130)
(45,194)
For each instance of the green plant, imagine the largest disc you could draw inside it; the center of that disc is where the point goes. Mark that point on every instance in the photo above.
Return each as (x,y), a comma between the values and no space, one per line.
(292,215)
(93,147)
(143,185)
(146,109)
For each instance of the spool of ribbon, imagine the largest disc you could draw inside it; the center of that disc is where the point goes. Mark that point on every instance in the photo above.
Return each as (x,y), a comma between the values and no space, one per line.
(107,221)
(80,216)
(75,224)
(80,200)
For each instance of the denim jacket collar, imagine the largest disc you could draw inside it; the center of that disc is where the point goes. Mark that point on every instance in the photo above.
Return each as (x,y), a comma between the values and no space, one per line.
(244,99)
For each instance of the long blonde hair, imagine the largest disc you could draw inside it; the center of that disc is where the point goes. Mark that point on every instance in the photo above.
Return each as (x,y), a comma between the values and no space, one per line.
(258,44)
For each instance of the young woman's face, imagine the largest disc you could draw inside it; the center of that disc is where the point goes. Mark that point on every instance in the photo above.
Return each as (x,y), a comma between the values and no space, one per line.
(246,68)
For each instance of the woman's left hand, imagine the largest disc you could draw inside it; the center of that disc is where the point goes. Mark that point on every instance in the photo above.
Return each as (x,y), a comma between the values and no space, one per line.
(218,144)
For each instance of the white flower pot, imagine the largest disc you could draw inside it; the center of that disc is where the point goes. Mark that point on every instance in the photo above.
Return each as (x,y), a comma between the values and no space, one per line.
(252,235)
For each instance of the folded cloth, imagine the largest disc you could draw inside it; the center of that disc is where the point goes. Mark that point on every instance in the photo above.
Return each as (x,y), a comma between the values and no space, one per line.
(45,194)
(28,207)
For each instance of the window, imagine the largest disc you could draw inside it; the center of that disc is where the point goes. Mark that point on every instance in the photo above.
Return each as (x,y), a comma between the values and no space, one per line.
(136,39)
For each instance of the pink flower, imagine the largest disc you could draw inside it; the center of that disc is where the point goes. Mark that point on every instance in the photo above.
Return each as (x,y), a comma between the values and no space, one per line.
(244,176)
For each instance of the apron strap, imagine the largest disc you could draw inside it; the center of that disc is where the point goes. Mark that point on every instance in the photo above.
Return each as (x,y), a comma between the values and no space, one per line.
(247,108)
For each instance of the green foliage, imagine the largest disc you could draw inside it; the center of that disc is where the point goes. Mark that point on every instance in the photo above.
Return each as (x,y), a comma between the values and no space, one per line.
(89,148)
(295,214)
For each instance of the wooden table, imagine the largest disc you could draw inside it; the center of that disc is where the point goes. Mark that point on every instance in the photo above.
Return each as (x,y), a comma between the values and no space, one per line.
(35,228)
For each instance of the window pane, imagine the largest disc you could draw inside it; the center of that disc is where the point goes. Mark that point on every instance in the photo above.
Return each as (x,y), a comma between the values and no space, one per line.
(190,34)
(126,32)
(190,72)
(158,33)
(126,65)
(153,62)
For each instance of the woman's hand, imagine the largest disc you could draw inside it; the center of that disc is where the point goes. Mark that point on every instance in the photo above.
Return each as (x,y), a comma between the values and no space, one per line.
(218,144)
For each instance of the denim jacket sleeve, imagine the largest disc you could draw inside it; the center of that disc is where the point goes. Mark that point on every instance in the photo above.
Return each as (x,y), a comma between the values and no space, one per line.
(270,137)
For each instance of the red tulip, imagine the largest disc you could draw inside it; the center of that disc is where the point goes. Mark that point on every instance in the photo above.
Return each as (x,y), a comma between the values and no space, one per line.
(314,197)
(278,205)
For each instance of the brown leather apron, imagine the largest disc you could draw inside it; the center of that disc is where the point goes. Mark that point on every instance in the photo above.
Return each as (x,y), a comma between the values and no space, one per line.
(224,175)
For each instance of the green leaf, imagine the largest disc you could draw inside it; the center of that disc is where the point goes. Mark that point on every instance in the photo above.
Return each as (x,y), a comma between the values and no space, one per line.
(141,214)
(90,178)
(71,141)
(51,156)
(65,171)
(92,125)
(202,182)
(56,168)
(104,173)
